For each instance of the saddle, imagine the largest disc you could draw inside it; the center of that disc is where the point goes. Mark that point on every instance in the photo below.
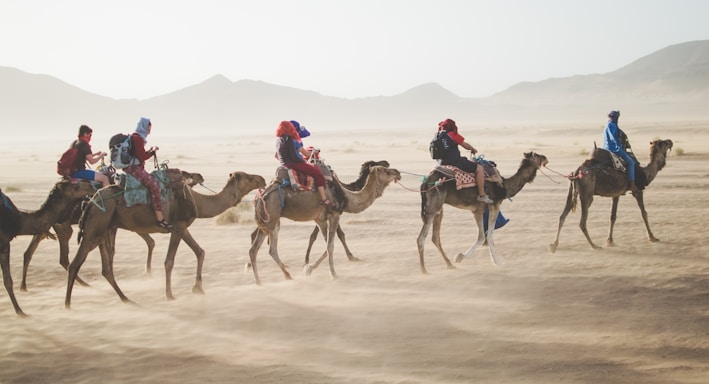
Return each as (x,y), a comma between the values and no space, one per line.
(135,193)
(604,156)
(300,181)
(467,180)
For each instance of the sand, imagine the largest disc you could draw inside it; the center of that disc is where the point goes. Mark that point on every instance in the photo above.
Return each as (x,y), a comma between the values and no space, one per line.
(634,313)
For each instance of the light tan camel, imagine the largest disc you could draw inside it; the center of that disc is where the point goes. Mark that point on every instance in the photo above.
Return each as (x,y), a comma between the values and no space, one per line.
(188,205)
(63,232)
(61,199)
(435,193)
(277,203)
(353,186)
(596,177)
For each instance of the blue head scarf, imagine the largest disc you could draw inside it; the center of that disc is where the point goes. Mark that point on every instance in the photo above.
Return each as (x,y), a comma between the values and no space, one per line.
(142,128)
(302,131)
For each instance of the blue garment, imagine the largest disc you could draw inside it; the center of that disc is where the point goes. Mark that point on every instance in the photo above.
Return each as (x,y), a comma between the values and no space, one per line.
(85,174)
(611,142)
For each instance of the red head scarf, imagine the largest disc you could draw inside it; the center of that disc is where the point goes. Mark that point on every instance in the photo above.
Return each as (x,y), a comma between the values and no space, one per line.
(447,125)
(286,128)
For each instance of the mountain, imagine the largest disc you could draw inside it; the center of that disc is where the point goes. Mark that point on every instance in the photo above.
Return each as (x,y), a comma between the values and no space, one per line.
(675,78)
(671,82)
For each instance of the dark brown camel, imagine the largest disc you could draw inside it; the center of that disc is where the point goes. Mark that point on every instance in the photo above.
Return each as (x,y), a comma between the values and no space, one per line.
(97,226)
(57,207)
(63,232)
(599,178)
(305,206)
(434,194)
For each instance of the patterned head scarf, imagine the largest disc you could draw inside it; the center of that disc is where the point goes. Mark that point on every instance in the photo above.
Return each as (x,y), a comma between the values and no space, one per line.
(142,128)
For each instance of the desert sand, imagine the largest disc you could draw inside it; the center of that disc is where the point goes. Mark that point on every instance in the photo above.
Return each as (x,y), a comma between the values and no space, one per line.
(634,313)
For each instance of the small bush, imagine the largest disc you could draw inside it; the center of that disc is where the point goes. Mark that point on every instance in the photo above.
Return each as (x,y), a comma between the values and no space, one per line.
(243,213)
(679,151)
(12,189)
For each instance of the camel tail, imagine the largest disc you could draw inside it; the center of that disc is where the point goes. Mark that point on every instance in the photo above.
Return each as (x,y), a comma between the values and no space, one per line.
(86,208)
(423,202)
(573,195)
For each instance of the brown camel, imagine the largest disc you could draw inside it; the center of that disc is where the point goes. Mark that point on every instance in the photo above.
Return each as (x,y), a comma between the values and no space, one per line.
(63,232)
(353,186)
(435,193)
(95,225)
(594,177)
(58,205)
(277,202)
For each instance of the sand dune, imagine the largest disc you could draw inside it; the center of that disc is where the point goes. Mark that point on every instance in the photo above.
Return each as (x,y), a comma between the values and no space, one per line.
(634,313)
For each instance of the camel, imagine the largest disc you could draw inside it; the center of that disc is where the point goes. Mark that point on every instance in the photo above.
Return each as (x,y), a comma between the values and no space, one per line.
(595,178)
(63,232)
(435,193)
(187,206)
(353,186)
(57,207)
(305,206)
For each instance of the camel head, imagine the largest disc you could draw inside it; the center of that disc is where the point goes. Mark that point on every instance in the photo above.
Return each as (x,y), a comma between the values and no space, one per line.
(659,150)
(245,182)
(66,189)
(192,179)
(383,176)
(537,159)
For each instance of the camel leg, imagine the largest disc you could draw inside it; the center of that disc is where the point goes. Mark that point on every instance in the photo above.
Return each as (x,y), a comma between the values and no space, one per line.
(175,238)
(199,253)
(492,219)
(7,277)
(562,218)
(614,211)
(334,223)
(585,204)
(421,240)
(341,236)
(436,239)
(257,238)
(311,241)
(151,245)
(273,250)
(107,271)
(481,237)
(641,204)
(31,248)
(82,253)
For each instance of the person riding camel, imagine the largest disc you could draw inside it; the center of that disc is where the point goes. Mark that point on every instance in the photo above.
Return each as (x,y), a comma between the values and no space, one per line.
(452,139)
(288,155)
(613,142)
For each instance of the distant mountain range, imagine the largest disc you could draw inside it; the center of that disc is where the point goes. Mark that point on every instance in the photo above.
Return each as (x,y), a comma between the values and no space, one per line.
(672,83)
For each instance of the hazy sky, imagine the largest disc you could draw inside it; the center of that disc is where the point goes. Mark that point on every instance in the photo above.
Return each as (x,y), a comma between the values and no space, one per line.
(345,48)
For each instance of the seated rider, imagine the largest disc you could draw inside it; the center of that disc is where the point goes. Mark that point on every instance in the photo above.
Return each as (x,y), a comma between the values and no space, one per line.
(85,155)
(137,169)
(612,141)
(451,140)
(289,157)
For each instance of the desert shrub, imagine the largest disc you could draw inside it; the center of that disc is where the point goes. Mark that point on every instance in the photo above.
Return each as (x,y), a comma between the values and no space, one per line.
(679,151)
(243,213)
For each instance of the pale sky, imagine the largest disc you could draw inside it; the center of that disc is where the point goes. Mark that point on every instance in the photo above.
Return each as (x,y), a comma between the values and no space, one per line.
(345,48)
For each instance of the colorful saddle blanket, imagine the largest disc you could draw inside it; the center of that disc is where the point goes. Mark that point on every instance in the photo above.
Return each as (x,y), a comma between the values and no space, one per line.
(136,193)
(300,181)
(467,180)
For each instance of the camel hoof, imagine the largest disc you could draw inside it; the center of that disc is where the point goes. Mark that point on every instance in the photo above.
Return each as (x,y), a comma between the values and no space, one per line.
(197,290)
(352,258)
(170,297)
(654,239)
(597,247)
(247,267)
(459,257)
(308,269)
(552,247)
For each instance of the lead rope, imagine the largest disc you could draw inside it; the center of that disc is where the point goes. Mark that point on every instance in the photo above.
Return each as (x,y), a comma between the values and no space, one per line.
(257,198)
